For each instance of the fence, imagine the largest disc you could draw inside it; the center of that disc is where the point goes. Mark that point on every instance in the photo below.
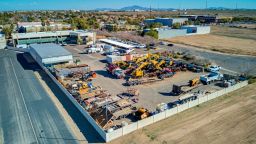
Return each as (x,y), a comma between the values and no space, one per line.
(160,116)
(145,122)
(77,105)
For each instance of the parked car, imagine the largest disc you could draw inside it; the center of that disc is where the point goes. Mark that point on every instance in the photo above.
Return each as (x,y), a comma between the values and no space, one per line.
(170,44)
(214,68)
(64,44)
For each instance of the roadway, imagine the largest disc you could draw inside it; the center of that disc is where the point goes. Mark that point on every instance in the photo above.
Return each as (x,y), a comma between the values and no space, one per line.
(231,62)
(27,114)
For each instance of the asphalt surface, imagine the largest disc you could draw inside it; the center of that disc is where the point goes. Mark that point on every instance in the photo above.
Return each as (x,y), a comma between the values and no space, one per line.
(27,114)
(233,63)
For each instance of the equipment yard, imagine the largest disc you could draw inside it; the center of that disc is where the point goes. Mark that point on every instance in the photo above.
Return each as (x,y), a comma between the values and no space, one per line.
(123,87)
(229,119)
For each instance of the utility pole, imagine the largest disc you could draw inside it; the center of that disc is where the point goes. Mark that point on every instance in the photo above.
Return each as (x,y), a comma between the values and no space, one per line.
(206,4)
(150,12)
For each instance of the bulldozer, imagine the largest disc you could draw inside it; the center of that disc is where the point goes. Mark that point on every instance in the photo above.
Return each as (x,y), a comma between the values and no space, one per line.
(141,113)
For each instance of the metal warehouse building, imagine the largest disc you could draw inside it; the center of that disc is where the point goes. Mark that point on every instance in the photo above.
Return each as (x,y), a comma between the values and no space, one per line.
(48,54)
(165,33)
(54,37)
(195,29)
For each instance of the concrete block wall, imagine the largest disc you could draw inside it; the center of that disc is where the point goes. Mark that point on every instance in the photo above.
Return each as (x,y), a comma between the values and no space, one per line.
(114,134)
(159,116)
(130,128)
(193,103)
(78,106)
(145,122)
(170,112)
(202,99)
(182,107)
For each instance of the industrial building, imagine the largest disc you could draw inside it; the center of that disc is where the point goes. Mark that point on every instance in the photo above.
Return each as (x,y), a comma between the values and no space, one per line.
(49,54)
(165,33)
(196,29)
(72,37)
(166,21)
(24,27)
(2,41)
(117,43)
(201,18)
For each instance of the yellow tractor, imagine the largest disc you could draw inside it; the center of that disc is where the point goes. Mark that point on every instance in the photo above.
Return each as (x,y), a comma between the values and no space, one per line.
(194,82)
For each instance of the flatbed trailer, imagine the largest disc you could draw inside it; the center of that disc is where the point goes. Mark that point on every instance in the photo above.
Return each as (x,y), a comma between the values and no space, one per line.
(142,81)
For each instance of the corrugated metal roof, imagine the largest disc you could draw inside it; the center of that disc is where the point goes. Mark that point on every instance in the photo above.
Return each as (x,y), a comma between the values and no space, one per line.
(49,50)
(116,43)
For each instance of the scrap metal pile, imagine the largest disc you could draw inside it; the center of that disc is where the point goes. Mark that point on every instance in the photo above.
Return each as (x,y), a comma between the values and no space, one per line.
(78,80)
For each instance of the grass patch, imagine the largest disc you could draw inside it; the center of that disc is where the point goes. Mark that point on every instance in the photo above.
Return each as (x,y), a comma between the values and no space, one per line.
(152,136)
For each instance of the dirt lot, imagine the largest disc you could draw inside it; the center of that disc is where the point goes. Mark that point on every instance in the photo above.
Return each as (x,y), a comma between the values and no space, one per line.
(219,43)
(229,119)
(235,32)
(223,39)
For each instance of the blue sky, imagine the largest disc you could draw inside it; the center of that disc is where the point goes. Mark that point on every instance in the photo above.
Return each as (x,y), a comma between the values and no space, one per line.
(92,4)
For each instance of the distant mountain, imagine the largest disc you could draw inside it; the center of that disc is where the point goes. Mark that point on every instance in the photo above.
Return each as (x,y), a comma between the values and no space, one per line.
(218,8)
(135,8)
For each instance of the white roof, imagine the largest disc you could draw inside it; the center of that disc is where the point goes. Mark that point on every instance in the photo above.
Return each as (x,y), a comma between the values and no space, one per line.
(46,34)
(116,43)
(50,50)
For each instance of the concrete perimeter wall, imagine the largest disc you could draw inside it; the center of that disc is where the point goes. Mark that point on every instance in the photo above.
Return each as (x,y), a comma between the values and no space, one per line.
(170,112)
(80,108)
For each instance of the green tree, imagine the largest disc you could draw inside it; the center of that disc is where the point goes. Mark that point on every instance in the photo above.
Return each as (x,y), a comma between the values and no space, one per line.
(7,30)
(188,23)
(176,26)
(152,33)
(155,25)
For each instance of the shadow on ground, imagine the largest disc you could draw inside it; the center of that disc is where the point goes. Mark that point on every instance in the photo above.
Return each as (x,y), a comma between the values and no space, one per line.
(104,73)
(84,126)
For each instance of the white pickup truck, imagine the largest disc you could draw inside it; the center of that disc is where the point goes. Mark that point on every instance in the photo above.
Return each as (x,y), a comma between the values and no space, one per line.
(214,68)
(213,76)
(93,50)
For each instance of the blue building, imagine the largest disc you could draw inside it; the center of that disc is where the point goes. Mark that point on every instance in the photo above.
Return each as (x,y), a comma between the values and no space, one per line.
(166,21)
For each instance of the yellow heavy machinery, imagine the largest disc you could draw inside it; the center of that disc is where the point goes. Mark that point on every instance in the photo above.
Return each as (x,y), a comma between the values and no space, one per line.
(122,64)
(194,82)
(158,66)
(184,88)
(138,72)
(141,113)
(155,56)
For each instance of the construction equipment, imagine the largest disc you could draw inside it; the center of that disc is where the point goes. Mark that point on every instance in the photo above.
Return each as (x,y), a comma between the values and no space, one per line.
(194,82)
(115,70)
(184,88)
(141,81)
(213,76)
(158,66)
(138,72)
(141,113)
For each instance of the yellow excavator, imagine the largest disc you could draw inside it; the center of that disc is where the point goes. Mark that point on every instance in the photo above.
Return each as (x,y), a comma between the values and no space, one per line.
(158,66)
(138,72)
